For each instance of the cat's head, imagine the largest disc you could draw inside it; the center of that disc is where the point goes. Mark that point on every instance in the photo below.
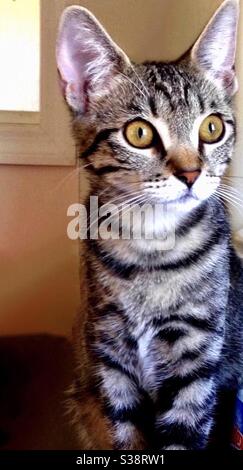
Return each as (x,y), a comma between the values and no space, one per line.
(156,132)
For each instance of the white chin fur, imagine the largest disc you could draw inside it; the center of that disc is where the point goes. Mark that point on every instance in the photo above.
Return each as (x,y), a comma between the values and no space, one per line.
(205,186)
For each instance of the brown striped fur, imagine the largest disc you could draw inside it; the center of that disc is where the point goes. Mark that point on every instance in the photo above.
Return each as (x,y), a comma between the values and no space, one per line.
(159,331)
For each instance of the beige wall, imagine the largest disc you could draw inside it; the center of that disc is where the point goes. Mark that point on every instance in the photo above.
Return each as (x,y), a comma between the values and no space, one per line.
(38,269)
(39,289)
(152,29)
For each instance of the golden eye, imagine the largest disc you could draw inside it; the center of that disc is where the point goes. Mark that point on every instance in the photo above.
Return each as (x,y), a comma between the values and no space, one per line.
(212,129)
(140,134)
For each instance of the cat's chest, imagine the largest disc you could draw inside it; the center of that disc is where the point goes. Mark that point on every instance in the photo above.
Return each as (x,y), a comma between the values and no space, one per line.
(154,295)
(156,358)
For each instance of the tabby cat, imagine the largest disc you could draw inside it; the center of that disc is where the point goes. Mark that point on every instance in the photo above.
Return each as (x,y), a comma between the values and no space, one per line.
(163,329)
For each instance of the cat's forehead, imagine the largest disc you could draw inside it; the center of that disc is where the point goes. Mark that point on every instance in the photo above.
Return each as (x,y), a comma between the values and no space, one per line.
(171,91)
(176,94)
(180,86)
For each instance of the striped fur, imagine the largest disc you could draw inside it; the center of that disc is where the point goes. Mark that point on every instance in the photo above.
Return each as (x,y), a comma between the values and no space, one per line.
(159,332)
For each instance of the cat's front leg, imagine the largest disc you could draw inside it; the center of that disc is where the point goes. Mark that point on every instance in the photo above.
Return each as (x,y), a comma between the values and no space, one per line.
(110,412)
(185,408)
(127,408)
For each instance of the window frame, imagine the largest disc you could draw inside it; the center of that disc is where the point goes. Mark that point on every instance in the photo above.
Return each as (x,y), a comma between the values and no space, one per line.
(41,138)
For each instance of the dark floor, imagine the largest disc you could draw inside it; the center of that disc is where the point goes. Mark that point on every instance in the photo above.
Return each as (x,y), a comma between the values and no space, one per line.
(35,371)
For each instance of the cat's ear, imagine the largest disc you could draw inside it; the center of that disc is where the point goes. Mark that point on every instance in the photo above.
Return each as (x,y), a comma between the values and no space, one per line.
(87,58)
(215,50)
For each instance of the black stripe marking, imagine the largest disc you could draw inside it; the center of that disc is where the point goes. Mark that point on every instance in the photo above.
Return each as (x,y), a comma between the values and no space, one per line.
(108,361)
(100,137)
(230,121)
(182,435)
(118,268)
(233,124)
(190,355)
(126,271)
(104,170)
(192,220)
(135,108)
(172,386)
(121,152)
(186,94)
(204,324)
(152,105)
(161,88)
(142,415)
(113,311)
(131,342)
(108,309)
(201,104)
(106,340)
(226,162)
(193,257)
(193,355)
(171,335)
(111,363)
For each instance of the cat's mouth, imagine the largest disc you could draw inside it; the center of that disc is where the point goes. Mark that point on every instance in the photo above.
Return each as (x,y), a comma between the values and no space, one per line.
(178,192)
(188,196)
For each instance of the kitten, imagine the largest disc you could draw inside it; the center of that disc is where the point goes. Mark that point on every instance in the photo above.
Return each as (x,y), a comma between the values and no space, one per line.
(162,332)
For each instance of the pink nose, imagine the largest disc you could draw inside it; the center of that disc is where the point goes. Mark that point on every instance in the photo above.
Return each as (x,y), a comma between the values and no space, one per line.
(188,176)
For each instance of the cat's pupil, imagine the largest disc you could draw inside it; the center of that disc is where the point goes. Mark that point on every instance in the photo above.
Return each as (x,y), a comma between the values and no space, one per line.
(140,132)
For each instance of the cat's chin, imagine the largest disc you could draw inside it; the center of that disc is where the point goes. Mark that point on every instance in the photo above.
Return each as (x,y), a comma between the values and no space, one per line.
(183,200)
(188,201)
(184,205)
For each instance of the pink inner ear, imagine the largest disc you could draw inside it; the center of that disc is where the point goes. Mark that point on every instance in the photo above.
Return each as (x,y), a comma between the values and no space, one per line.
(80,62)
(67,57)
(71,66)
(229,81)
(87,58)
(227,78)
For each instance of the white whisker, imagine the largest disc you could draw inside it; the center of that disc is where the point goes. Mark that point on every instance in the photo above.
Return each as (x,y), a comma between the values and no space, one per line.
(65,179)
(232,190)
(229,194)
(234,203)
(109,203)
(134,84)
(140,80)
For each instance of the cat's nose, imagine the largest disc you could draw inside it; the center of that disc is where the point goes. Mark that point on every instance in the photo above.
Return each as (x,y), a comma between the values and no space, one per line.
(188,176)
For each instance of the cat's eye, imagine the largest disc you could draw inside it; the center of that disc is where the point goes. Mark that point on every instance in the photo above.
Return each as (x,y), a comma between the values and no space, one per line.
(140,134)
(212,129)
